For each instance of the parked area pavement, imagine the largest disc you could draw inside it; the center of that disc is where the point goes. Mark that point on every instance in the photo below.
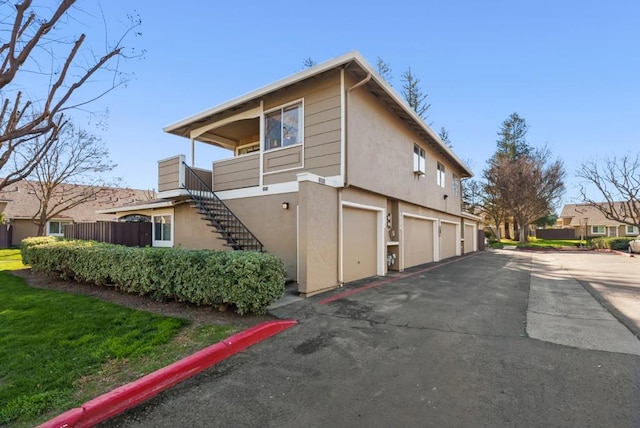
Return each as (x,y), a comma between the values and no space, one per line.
(500,338)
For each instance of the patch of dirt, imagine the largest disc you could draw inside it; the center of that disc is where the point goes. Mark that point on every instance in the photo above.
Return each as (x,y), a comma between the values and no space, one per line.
(198,315)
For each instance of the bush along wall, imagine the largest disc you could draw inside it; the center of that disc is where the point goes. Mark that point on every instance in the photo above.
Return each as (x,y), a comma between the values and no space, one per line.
(248,280)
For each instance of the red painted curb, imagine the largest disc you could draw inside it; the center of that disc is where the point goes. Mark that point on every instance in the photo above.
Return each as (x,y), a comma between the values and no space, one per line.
(130,395)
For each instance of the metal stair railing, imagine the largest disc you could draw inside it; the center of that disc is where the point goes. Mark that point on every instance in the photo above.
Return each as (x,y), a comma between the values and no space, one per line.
(237,235)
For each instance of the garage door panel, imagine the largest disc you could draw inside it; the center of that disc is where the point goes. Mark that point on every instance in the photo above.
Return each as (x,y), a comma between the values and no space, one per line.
(359,229)
(448,240)
(469,237)
(418,241)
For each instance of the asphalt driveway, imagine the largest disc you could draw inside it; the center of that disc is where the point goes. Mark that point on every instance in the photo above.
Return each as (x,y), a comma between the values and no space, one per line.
(443,345)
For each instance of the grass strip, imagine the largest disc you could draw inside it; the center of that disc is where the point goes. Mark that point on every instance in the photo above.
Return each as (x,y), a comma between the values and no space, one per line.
(59,349)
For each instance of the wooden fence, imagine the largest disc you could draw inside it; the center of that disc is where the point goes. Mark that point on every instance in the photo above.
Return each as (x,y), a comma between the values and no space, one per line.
(129,234)
(5,235)
(556,234)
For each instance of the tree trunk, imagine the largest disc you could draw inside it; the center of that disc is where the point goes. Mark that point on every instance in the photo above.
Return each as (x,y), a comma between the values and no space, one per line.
(507,233)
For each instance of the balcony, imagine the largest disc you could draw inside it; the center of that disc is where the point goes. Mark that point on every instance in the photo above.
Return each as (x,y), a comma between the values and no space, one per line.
(171,177)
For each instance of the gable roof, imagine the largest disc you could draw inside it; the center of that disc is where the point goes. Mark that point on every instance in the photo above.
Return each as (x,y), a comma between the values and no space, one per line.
(354,63)
(578,212)
(22,203)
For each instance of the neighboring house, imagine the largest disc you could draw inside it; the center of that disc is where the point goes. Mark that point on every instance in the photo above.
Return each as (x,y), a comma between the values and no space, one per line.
(589,221)
(19,204)
(330,170)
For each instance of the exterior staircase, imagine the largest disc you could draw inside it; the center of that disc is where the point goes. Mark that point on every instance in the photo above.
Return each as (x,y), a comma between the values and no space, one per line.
(218,215)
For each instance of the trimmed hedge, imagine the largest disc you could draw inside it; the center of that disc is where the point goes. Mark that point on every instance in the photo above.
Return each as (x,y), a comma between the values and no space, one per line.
(249,280)
(607,243)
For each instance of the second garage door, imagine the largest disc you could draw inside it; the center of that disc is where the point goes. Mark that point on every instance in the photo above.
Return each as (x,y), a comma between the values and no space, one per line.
(448,241)
(418,241)
(359,238)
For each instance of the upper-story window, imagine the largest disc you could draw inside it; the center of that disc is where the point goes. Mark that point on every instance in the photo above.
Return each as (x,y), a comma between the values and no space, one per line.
(455,185)
(440,177)
(282,127)
(419,160)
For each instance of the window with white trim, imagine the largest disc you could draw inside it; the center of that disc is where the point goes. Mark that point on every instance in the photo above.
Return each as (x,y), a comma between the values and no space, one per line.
(632,230)
(597,230)
(283,127)
(163,230)
(440,175)
(419,160)
(455,185)
(56,228)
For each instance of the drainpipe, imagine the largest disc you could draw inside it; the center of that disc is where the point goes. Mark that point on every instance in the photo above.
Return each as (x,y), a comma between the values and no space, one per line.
(346,125)
(346,182)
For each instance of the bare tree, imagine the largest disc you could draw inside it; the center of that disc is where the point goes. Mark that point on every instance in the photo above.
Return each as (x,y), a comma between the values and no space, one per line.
(617,181)
(72,173)
(527,187)
(412,93)
(36,45)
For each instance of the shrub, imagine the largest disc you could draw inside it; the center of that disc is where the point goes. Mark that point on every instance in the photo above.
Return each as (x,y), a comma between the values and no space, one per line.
(609,243)
(248,280)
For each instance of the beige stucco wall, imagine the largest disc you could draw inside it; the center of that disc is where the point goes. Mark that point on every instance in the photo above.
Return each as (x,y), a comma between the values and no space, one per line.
(380,156)
(274,226)
(22,229)
(318,213)
(359,196)
(192,231)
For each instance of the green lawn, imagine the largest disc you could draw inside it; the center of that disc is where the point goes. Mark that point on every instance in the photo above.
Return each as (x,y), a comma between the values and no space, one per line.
(60,349)
(538,243)
(553,243)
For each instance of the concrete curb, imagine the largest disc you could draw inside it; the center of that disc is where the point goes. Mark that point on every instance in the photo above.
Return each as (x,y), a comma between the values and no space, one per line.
(130,395)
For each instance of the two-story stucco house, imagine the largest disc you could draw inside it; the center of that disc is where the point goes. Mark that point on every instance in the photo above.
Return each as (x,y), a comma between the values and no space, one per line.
(329,169)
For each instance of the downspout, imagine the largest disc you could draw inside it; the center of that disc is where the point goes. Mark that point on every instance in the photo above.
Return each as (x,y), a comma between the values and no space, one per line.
(346,126)
(346,181)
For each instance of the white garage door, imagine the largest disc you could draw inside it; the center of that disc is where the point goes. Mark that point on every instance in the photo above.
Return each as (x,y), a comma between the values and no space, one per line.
(418,241)
(469,238)
(448,241)
(359,240)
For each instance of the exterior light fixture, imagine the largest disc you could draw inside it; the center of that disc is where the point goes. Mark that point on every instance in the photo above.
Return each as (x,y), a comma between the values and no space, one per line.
(445,197)
(285,205)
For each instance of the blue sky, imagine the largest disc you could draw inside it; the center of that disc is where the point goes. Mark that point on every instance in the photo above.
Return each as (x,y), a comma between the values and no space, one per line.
(570,68)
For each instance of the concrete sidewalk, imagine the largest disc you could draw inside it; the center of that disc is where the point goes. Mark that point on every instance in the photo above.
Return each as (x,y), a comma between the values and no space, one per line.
(561,311)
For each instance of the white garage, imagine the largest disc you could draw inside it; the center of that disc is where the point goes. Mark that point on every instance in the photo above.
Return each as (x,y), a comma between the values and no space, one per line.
(360,243)
(418,239)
